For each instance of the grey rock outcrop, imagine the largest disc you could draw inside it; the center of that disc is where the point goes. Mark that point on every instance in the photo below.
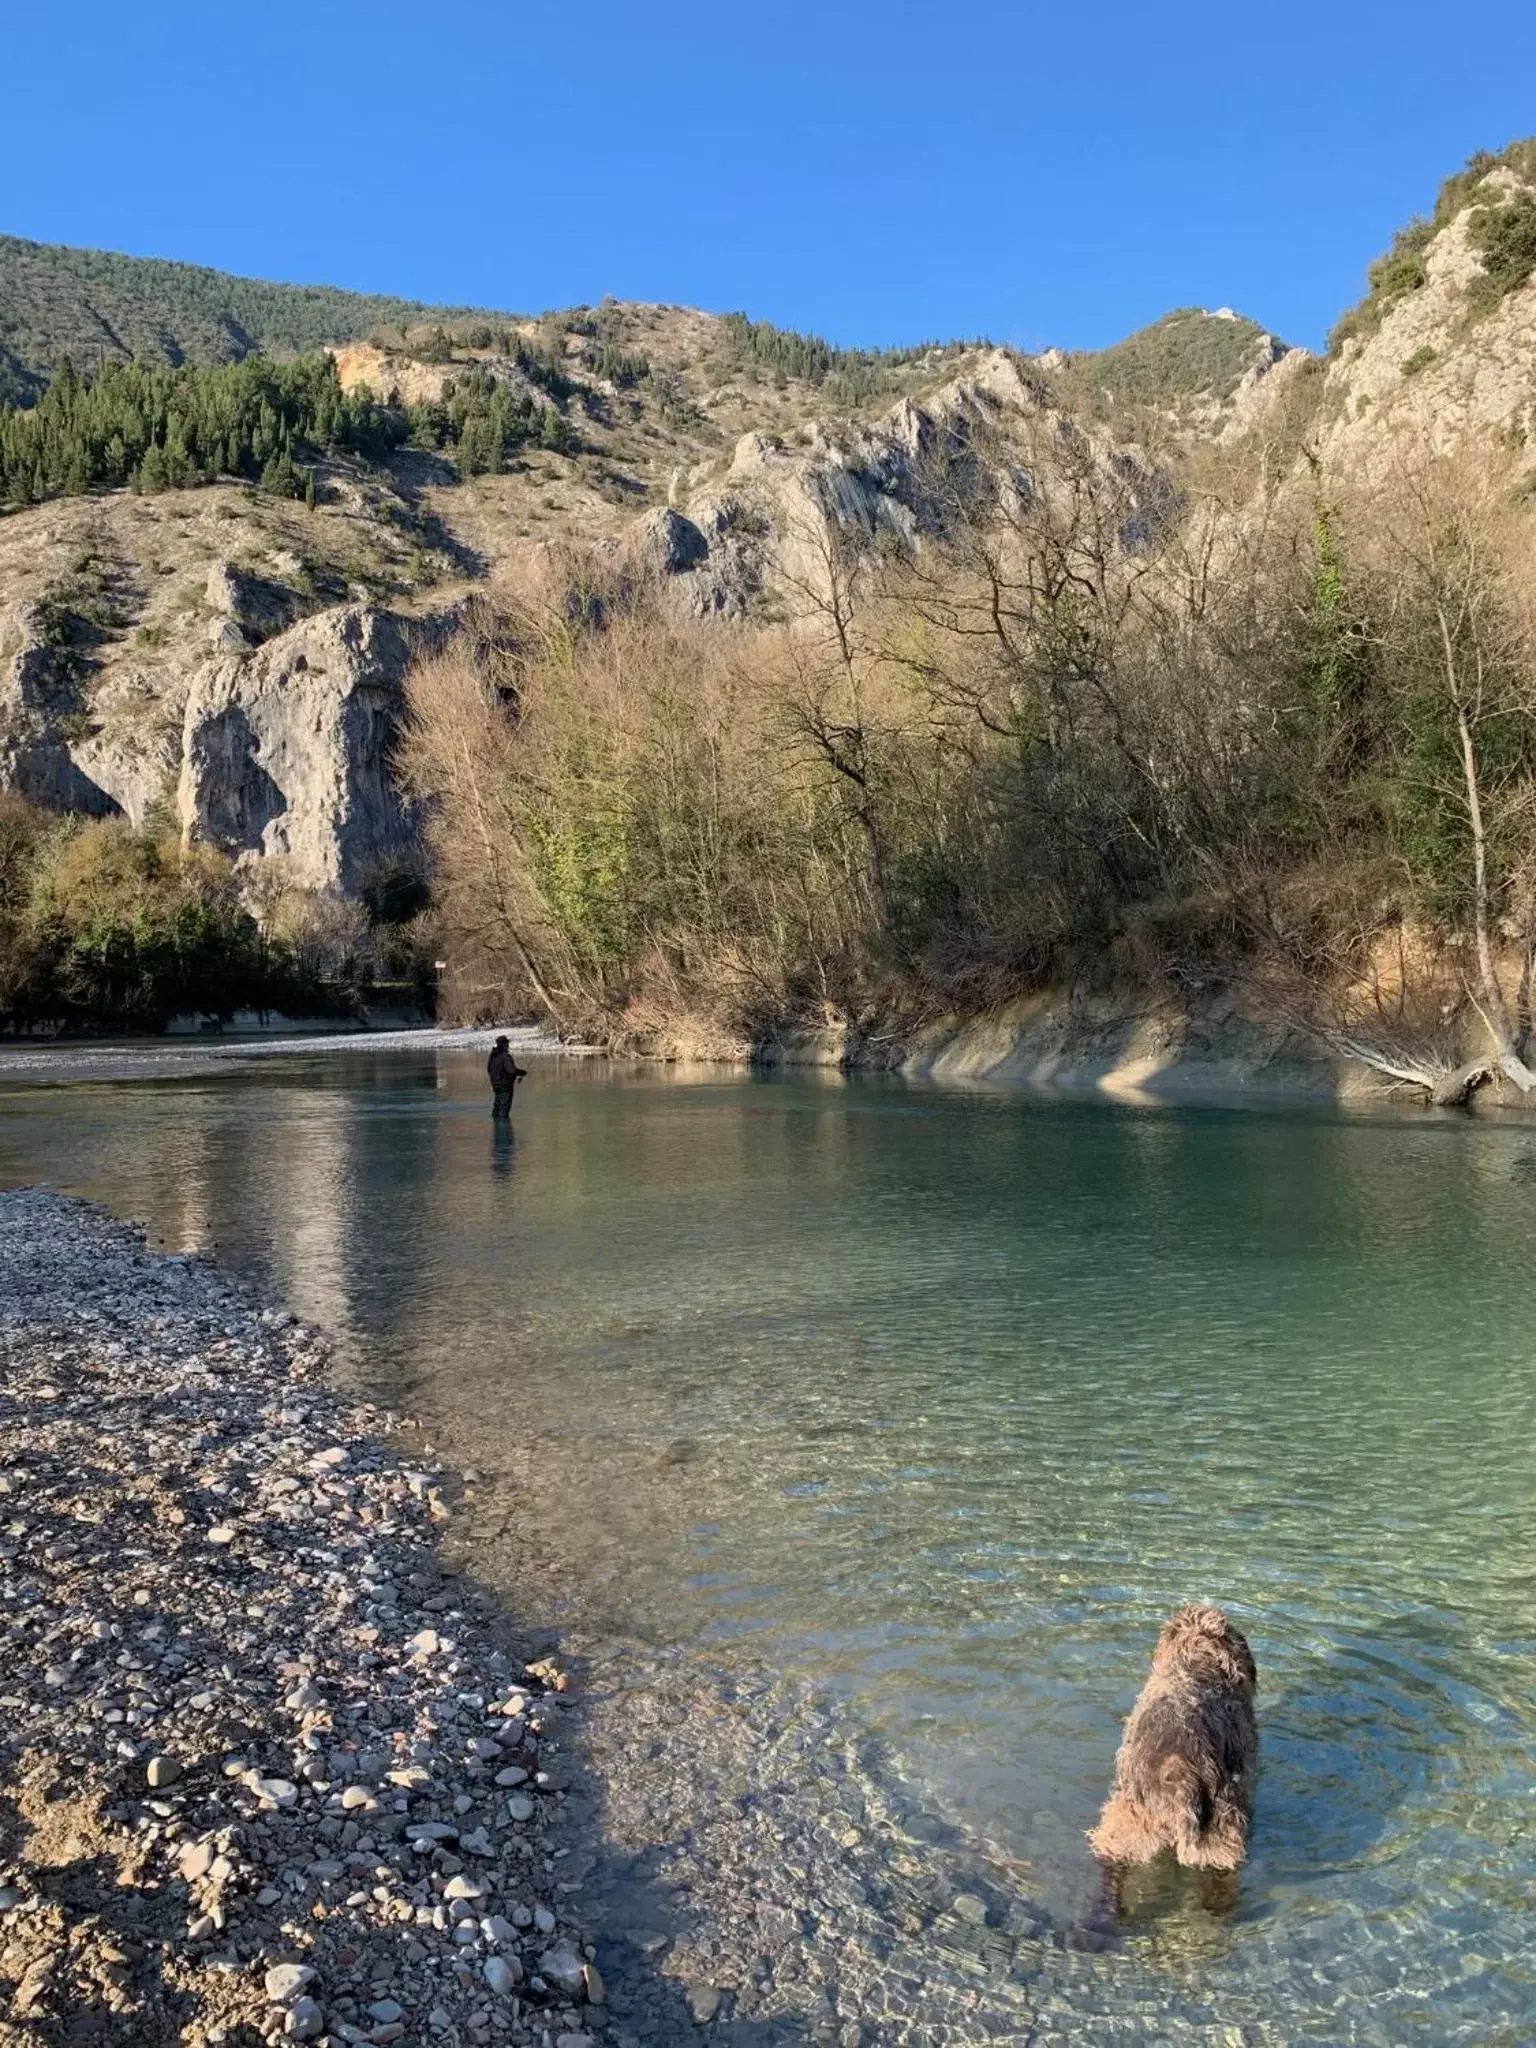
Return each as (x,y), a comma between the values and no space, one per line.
(288,750)
(39,696)
(247,609)
(1432,375)
(667,544)
(763,538)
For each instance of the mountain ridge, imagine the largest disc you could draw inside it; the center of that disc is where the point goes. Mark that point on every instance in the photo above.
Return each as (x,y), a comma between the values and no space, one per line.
(98,305)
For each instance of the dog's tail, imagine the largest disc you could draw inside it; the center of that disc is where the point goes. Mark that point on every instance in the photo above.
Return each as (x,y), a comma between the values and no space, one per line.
(1189,1803)
(1211,1832)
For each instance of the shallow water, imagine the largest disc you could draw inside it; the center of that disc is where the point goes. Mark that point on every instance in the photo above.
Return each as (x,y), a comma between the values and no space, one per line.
(940,1402)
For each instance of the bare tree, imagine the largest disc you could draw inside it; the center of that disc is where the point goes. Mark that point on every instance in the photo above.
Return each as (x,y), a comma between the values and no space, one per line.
(1459,662)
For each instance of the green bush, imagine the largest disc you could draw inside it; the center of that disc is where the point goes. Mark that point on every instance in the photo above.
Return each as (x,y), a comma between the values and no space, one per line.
(1504,237)
(101,925)
(1391,278)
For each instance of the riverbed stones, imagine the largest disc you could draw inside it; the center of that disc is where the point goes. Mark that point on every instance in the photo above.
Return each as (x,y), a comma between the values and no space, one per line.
(268,1783)
(144,1400)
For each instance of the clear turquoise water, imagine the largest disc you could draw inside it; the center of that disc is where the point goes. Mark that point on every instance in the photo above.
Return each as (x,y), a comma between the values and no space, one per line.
(943,1401)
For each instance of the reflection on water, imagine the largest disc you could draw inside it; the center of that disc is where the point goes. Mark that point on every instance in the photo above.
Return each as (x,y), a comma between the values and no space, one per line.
(943,1402)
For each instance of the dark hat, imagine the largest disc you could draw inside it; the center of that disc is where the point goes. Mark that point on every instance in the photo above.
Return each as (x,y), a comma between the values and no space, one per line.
(503,1039)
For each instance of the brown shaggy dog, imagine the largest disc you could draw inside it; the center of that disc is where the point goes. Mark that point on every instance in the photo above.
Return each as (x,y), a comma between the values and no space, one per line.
(1185,1767)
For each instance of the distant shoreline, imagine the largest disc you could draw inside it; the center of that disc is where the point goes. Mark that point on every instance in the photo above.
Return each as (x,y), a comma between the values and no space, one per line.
(176,1059)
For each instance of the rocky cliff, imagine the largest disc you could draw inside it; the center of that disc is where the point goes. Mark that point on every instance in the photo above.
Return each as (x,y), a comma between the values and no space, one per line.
(288,750)
(237,661)
(1443,352)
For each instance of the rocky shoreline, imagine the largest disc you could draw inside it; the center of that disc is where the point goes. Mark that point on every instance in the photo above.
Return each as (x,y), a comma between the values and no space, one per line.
(278,1766)
(270,1771)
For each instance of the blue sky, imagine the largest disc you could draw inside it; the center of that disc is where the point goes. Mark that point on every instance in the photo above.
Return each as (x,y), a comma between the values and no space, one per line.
(880,173)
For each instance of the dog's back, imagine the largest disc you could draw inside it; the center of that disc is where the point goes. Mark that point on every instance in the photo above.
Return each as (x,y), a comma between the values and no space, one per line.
(1184,1770)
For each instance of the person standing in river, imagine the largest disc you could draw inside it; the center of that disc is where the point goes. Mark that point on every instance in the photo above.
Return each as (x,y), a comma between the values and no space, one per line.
(504,1073)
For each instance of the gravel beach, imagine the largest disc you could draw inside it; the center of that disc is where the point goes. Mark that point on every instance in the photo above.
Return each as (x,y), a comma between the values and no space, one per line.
(277,1766)
(268,1771)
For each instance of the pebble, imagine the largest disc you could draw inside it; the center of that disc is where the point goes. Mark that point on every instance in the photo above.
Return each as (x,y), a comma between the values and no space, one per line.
(703,2001)
(563,1968)
(162,1771)
(304,2020)
(520,1807)
(501,1973)
(286,1980)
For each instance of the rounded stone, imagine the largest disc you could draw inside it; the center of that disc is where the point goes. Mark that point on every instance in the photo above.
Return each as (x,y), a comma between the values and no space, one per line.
(284,1981)
(501,1973)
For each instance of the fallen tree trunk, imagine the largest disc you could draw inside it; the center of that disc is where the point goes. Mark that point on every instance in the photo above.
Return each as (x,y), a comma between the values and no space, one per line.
(1445,1086)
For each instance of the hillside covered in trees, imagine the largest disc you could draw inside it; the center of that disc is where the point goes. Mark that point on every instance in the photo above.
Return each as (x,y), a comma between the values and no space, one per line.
(97,307)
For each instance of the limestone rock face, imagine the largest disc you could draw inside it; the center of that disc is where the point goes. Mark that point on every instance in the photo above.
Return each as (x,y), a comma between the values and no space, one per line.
(667,544)
(254,608)
(288,750)
(774,523)
(38,697)
(1266,388)
(1431,375)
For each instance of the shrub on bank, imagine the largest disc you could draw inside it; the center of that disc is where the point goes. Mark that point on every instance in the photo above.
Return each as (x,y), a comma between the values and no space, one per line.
(102,926)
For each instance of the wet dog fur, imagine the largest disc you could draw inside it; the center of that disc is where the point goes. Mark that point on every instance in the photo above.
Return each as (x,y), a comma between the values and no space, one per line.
(1185,1768)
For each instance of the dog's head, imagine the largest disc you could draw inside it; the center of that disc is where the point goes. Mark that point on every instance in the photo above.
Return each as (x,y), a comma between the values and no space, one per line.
(1202,1641)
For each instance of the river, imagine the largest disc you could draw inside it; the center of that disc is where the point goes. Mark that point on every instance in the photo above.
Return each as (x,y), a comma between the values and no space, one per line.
(934,1404)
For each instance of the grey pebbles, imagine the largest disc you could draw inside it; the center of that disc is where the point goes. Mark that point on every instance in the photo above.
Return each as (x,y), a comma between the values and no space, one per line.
(255,1738)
